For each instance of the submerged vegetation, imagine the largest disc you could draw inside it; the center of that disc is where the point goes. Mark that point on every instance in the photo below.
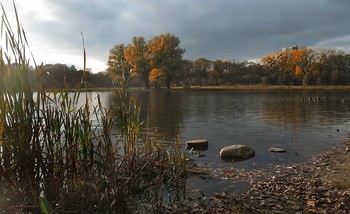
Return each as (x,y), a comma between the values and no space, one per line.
(53,158)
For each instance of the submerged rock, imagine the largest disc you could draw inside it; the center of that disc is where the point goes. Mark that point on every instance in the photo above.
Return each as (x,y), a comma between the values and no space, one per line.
(237,152)
(199,145)
(277,150)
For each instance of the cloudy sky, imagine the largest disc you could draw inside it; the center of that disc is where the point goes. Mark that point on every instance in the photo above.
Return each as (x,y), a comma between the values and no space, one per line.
(221,29)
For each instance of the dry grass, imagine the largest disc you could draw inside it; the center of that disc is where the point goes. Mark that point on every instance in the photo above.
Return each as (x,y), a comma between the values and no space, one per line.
(52,159)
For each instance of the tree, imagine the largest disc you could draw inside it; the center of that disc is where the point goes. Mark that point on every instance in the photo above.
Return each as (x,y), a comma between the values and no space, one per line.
(118,66)
(310,66)
(155,77)
(185,73)
(333,66)
(217,72)
(248,72)
(164,53)
(201,68)
(290,64)
(136,56)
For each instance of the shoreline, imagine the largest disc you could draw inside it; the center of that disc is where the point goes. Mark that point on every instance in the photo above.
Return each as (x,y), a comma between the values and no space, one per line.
(321,185)
(235,87)
(271,87)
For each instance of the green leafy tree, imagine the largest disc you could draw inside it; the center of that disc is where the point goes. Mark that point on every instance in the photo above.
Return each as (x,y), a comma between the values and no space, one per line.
(185,74)
(201,68)
(217,72)
(118,66)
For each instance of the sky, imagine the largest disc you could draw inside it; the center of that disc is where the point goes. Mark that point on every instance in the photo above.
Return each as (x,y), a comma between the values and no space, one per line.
(222,29)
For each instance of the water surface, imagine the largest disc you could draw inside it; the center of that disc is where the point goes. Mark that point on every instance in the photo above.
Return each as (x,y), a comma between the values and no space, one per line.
(304,122)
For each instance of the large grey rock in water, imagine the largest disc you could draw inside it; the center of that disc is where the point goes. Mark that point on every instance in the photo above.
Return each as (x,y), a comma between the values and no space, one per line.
(237,152)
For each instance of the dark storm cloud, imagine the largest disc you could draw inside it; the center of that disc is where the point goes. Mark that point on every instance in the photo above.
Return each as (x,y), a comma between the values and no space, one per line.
(238,29)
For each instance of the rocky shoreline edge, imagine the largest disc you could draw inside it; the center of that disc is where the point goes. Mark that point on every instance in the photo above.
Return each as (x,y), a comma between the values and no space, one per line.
(321,185)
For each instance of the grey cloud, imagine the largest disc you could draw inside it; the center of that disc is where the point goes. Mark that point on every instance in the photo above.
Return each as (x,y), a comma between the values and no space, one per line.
(240,29)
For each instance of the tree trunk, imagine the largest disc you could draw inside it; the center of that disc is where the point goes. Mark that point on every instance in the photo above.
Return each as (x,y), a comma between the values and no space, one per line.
(147,84)
(168,81)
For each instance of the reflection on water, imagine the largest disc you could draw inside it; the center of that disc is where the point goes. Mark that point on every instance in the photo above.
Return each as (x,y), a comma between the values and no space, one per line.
(290,119)
(164,110)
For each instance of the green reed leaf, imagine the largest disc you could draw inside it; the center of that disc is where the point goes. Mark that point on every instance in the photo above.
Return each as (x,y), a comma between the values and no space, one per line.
(45,206)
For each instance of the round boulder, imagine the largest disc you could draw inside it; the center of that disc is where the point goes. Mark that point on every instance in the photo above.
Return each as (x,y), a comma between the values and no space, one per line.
(237,152)
(198,145)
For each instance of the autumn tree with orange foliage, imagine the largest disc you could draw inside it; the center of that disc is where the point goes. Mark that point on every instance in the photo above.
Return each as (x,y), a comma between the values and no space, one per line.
(155,77)
(309,66)
(292,64)
(162,53)
(136,55)
(165,54)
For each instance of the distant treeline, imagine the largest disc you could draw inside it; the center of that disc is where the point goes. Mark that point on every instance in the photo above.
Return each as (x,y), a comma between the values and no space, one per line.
(61,75)
(158,62)
(290,67)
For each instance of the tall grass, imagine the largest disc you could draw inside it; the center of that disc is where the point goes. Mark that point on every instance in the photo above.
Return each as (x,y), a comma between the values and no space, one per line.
(53,159)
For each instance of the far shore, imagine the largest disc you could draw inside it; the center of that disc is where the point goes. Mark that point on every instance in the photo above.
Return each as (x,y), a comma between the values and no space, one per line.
(273,87)
(235,87)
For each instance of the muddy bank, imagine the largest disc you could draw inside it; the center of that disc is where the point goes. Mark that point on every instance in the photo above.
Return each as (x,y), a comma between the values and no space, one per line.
(319,186)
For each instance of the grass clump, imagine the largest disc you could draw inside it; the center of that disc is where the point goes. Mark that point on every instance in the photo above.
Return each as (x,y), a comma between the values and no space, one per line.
(54,159)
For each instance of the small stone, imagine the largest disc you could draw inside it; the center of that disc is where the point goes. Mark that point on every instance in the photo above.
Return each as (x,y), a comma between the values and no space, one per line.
(277,150)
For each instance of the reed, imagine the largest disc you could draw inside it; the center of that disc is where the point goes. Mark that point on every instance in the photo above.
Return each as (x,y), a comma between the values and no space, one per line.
(53,159)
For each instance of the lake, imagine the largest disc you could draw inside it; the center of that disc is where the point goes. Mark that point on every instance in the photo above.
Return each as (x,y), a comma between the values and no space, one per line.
(289,119)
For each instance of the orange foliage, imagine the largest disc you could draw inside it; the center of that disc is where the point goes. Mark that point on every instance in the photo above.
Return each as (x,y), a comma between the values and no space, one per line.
(155,76)
(269,59)
(133,73)
(130,54)
(297,70)
(291,61)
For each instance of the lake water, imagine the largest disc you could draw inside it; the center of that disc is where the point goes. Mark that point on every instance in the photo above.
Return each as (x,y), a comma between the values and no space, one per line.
(260,119)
